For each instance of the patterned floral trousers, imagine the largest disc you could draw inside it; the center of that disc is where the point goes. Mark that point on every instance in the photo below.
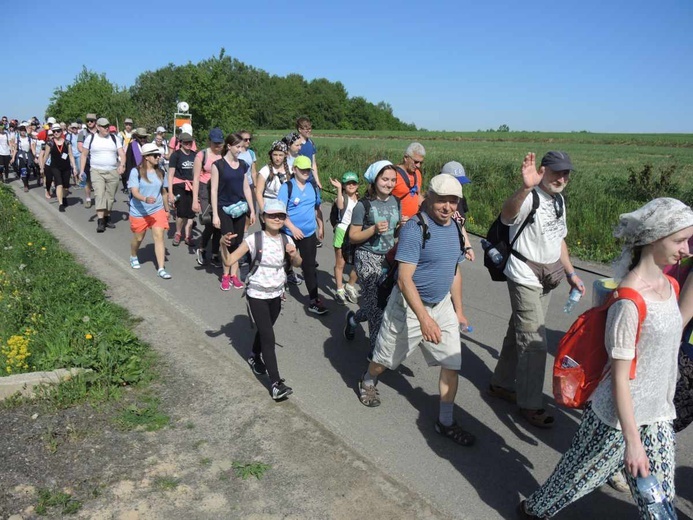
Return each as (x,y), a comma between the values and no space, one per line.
(369,267)
(683,399)
(597,451)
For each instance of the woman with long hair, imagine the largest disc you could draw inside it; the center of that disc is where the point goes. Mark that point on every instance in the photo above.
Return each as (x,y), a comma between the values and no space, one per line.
(232,200)
(372,228)
(148,207)
(271,176)
(629,423)
(62,164)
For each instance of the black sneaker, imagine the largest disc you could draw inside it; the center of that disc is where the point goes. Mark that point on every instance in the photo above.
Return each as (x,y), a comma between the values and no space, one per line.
(257,365)
(317,307)
(100,226)
(279,390)
(201,256)
(215,261)
(107,222)
(319,244)
(61,208)
(349,329)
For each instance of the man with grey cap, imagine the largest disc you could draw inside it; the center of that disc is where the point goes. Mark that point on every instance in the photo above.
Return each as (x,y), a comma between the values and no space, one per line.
(538,262)
(107,160)
(425,307)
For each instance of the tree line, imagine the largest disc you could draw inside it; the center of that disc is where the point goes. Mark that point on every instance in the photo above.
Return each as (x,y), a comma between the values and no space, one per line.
(225,92)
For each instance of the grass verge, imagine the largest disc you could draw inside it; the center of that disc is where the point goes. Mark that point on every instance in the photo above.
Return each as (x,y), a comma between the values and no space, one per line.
(54,315)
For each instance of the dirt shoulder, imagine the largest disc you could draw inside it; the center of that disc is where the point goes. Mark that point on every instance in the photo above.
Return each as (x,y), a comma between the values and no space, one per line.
(185,470)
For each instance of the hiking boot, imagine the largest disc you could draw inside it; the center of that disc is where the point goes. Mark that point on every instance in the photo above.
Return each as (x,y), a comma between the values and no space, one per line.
(87,203)
(201,256)
(351,293)
(107,222)
(368,395)
(279,390)
(349,327)
(258,366)
(225,282)
(294,279)
(340,297)
(455,433)
(100,226)
(317,307)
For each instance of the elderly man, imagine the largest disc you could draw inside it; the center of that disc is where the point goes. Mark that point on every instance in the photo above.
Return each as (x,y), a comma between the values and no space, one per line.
(536,267)
(408,186)
(425,307)
(107,159)
(85,177)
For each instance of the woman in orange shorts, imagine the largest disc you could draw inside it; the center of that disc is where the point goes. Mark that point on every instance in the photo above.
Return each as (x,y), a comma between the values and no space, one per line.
(148,207)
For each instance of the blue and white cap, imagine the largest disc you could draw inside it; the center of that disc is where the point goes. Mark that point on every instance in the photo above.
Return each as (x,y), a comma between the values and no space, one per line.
(274,206)
(456,170)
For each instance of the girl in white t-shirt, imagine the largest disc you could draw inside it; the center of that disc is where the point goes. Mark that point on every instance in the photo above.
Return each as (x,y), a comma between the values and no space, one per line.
(347,197)
(628,423)
(265,287)
(271,176)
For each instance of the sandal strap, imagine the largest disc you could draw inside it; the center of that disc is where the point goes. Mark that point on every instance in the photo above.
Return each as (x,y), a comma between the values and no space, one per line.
(456,433)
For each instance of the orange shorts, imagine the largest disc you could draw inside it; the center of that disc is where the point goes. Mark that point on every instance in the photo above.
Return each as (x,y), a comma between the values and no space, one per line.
(141,224)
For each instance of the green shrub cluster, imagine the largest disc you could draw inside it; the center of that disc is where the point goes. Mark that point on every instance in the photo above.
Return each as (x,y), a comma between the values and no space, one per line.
(46,297)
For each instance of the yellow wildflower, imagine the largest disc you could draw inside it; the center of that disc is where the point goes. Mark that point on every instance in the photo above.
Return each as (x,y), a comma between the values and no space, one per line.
(30,243)
(88,336)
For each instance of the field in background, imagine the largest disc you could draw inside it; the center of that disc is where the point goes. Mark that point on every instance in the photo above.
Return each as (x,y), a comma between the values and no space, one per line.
(601,188)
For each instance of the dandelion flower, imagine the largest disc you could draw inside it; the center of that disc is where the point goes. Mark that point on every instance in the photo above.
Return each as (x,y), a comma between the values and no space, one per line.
(88,336)
(43,249)
(30,243)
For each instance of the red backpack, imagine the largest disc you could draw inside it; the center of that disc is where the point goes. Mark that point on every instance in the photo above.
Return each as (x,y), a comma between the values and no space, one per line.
(581,358)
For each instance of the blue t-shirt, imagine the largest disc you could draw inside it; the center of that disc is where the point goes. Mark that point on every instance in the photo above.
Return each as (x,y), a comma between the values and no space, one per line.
(388,210)
(249,157)
(301,207)
(308,149)
(436,264)
(139,208)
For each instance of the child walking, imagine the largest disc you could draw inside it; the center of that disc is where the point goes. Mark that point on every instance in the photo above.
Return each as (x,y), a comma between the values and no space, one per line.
(347,197)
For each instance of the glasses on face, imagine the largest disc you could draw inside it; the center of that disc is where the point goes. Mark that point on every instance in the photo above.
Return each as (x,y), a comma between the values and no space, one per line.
(276,216)
(247,139)
(91,120)
(416,162)
(155,155)
(57,131)
(307,128)
(187,143)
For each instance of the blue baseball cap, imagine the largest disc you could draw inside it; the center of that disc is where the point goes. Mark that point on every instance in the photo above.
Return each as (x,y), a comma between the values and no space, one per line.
(216,135)
(456,170)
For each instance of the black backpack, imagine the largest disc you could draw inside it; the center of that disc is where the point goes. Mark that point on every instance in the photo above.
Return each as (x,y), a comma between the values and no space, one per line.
(387,280)
(499,237)
(349,249)
(336,215)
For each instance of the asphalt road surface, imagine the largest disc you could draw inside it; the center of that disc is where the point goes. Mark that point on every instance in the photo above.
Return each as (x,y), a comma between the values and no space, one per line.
(510,458)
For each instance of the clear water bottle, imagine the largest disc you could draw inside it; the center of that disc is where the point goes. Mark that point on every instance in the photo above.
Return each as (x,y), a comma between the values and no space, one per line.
(493,253)
(466,329)
(657,504)
(82,180)
(573,299)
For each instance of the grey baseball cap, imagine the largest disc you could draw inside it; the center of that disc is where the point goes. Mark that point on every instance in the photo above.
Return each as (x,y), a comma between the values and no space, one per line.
(456,170)
(557,161)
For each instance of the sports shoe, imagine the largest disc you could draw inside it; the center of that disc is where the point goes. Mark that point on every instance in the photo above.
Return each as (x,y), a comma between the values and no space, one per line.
(279,390)
(201,256)
(225,282)
(134,262)
(107,222)
(61,208)
(189,241)
(294,279)
(176,239)
(351,293)
(349,329)
(237,284)
(215,261)
(317,307)
(163,273)
(340,296)
(368,395)
(319,244)
(258,366)
(87,203)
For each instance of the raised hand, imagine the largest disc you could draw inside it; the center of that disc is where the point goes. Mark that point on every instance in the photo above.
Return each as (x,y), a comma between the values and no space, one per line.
(530,176)
(336,183)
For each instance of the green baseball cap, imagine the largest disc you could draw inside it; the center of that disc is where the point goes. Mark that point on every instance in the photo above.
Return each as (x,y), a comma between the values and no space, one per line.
(302,163)
(349,177)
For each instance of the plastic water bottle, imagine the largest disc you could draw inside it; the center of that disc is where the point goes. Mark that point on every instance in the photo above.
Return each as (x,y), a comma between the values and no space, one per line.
(82,180)
(493,253)
(573,299)
(466,329)
(657,504)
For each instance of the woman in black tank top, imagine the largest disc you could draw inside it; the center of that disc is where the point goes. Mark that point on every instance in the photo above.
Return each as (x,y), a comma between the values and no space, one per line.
(61,166)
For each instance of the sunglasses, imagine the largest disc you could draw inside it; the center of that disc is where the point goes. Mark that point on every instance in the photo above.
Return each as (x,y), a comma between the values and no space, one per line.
(155,155)
(247,139)
(276,216)
(186,142)
(57,131)
(91,120)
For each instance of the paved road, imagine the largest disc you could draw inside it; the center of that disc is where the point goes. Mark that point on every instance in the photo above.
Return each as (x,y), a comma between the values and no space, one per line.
(483,482)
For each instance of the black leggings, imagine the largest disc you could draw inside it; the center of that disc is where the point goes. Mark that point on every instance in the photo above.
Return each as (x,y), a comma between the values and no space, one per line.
(5,163)
(265,313)
(308,247)
(210,232)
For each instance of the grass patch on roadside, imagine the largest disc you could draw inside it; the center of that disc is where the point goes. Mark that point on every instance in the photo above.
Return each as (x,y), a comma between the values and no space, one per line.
(48,499)
(144,415)
(54,315)
(165,483)
(250,469)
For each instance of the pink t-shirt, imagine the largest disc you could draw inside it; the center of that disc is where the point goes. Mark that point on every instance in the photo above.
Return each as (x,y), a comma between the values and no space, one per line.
(172,145)
(206,172)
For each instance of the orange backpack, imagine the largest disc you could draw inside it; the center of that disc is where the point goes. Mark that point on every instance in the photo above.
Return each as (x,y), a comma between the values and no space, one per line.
(582,358)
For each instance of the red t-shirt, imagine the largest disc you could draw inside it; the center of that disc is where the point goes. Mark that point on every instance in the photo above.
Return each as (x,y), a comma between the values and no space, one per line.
(410,202)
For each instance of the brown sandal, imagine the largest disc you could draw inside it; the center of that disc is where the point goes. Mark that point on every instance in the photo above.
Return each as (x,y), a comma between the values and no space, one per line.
(502,393)
(538,418)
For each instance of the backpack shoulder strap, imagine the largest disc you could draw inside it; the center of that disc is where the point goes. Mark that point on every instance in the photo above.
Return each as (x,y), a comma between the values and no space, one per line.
(674,284)
(366,209)
(405,177)
(289,189)
(528,220)
(626,293)
(423,224)
(257,237)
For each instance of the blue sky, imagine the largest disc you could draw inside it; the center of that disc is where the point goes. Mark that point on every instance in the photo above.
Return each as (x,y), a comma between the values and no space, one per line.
(602,66)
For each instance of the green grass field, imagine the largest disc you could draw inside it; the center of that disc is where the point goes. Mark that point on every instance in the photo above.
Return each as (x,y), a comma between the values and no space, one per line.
(600,189)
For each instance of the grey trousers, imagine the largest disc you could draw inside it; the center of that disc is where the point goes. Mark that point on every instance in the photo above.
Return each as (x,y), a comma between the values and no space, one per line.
(522,363)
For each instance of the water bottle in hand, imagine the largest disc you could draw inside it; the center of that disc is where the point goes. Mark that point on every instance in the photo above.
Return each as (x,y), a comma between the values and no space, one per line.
(493,253)
(657,504)
(573,299)
(466,329)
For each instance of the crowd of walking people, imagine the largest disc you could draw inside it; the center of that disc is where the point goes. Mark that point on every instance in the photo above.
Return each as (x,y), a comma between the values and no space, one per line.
(403,242)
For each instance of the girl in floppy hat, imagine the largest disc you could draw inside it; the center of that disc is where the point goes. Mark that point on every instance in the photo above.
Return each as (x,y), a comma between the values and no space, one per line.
(148,207)
(629,423)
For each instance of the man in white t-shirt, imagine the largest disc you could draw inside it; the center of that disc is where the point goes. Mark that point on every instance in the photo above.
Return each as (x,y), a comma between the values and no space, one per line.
(107,161)
(5,152)
(537,265)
